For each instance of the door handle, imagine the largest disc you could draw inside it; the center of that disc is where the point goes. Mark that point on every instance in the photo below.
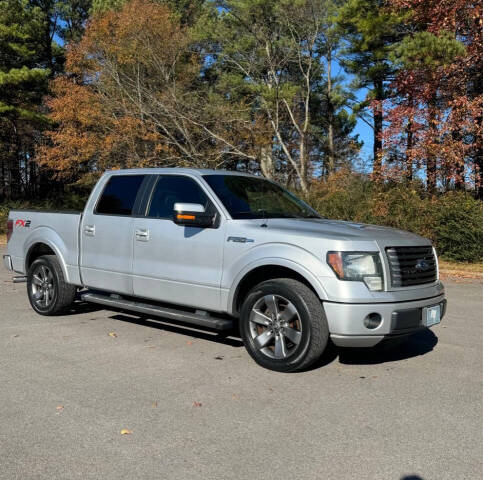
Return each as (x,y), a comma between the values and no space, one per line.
(142,234)
(89,230)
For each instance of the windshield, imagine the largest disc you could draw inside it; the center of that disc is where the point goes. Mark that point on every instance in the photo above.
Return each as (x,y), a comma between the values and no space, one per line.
(250,197)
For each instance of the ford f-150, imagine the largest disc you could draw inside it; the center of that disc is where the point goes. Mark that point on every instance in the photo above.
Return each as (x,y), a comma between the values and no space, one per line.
(221,249)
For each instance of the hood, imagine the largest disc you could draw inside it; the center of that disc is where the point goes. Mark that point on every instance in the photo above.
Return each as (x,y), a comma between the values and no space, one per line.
(341,230)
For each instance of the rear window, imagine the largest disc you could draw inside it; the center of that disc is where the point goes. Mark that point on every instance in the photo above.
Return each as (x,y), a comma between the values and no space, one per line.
(119,195)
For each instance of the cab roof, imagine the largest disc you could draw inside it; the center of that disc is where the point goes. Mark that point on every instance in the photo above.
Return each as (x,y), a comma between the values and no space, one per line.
(191,171)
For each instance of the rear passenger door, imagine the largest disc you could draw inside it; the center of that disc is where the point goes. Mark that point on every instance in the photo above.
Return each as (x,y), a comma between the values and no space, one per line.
(173,263)
(106,243)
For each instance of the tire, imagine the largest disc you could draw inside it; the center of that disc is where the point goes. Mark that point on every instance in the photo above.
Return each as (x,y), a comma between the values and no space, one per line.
(47,289)
(293,337)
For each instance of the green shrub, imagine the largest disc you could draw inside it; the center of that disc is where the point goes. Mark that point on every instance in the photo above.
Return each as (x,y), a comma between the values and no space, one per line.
(399,206)
(342,197)
(452,221)
(458,227)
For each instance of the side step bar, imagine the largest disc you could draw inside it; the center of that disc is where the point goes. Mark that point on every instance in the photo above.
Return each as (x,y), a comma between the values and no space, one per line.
(19,279)
(201,319)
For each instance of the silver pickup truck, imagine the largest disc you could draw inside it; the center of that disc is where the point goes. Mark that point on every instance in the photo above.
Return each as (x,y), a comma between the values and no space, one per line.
(216,249)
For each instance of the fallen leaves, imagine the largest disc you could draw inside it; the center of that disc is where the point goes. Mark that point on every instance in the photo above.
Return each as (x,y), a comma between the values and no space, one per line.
(113,334)
(59,408)
(197,404)
(126,431)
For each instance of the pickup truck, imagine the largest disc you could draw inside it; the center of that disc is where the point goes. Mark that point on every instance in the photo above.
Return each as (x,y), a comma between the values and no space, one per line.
(221,249)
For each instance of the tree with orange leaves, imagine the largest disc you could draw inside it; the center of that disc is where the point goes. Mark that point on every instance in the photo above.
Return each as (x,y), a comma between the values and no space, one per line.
(133,98)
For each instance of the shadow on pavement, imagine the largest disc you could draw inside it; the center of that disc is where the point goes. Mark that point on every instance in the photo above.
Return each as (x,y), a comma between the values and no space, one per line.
(227,338)
(412,477)
(80,307)
(387,351)
(391,350)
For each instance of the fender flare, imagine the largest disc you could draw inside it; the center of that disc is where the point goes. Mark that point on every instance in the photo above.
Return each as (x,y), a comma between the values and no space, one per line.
(49,237)
(273,261)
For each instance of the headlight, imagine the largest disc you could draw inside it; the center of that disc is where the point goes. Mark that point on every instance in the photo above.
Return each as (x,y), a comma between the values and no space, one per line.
(359,267)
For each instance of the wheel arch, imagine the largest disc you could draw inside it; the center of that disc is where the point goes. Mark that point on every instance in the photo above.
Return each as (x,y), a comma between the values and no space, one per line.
(268,269)
(42,245)
(37,250)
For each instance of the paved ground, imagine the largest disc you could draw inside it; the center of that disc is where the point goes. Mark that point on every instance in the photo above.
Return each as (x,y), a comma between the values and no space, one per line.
(199,408)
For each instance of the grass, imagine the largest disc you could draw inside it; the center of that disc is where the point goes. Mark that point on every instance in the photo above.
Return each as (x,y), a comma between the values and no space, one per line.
(461,269)
(3,239)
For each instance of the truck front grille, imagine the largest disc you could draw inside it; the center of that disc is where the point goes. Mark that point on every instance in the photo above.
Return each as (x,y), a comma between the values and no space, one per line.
(411,265)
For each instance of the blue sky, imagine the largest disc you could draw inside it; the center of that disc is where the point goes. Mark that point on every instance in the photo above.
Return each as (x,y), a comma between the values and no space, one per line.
(365,134)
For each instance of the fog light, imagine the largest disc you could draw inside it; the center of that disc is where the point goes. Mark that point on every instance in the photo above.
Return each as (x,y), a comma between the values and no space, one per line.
(373,320)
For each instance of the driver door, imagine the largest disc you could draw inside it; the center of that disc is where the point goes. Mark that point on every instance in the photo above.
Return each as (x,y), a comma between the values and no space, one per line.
(172,263)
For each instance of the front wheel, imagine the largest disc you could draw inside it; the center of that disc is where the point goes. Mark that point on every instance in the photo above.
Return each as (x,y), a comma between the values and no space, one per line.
(47,289)
(283,325)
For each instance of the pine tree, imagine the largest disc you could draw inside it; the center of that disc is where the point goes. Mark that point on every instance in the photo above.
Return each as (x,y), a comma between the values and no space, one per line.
(23,81)
(371,31)
(29,57)
(277,55)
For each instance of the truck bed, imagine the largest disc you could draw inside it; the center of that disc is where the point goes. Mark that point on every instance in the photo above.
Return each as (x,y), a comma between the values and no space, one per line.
(58,230)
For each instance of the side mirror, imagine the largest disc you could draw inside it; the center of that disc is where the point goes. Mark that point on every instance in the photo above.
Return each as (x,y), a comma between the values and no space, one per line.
(192,215)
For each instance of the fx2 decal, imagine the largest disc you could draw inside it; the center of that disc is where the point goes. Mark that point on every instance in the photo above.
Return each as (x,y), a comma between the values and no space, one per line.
(22,223)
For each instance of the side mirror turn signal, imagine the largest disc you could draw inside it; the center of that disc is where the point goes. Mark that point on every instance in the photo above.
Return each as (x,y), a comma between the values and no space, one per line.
(192,215)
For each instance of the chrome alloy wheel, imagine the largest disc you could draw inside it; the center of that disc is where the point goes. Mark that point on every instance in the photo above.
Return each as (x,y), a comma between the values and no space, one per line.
(42,286)
(275,326)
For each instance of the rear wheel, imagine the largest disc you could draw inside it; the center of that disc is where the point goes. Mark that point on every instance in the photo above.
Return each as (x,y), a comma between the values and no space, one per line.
(47,289)
(283,325)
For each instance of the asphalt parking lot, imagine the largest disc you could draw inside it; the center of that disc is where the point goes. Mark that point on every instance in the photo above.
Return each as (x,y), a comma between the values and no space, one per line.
(197,406)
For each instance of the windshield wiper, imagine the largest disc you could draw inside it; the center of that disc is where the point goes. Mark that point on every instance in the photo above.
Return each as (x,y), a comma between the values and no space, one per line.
(284,215)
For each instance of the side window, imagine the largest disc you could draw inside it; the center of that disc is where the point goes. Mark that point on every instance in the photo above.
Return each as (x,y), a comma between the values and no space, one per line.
(119,195)
(171,189)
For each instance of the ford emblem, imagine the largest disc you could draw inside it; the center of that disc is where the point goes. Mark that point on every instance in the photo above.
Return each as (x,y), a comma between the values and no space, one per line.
(422,265)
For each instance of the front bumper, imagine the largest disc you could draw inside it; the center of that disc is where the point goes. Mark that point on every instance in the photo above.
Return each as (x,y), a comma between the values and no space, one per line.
(346,321)
(7,262)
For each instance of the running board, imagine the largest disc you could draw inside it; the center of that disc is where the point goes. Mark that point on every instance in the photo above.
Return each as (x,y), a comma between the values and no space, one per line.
(203,319)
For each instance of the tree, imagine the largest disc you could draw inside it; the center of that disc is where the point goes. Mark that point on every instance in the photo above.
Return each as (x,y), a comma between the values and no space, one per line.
(186,87)
(331,117)
(187,11)
(134,97)
(23,81)
(371,31)
(73,15)
(271,53)
(439,90)
(29,57)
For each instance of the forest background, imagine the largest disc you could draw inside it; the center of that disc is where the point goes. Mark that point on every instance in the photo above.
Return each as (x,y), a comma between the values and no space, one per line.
(371,110)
